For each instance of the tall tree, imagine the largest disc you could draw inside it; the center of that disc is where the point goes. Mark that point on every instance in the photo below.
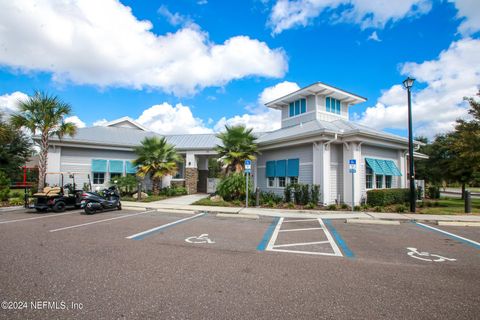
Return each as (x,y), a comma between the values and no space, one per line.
(15,149)
(238,145)
(44,114)
(156,158)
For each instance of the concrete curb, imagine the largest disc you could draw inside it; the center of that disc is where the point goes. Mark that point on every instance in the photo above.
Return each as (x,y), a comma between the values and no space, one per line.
(238,215)
(373,221)
(458,224)
(175,211)
(15,208)
(134,208)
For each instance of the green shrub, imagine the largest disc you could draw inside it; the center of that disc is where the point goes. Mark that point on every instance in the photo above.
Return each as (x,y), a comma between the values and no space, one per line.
(433,192)
(127,185)
(173,191)
(16,194)
(378,209)
(419,191)
(311,205)
(16,202)
(315,194)
(271,204)
(290,205)
(357,208)
(332,207)
(237,202)
(270,196)
(305,194)
(297,193)
(384,197)
(288,193)
(4,187)
(233,186)
(401,208)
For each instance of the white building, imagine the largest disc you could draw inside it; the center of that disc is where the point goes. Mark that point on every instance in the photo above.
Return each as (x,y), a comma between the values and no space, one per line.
(313,146)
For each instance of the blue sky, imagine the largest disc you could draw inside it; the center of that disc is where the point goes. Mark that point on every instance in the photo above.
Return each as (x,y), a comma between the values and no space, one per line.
(192,66)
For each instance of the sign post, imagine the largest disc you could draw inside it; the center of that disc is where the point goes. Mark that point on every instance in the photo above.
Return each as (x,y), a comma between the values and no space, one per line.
(352,168)
(248,168)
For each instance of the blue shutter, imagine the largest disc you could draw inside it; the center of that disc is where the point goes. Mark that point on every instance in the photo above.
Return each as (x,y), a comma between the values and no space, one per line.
(303,105)
(99,165)
(293,167)
(115,166)
(281,168)
(292,109)
(130,168)
(270,169)
(297,107)
(393,168)
(327,104)
(373,164)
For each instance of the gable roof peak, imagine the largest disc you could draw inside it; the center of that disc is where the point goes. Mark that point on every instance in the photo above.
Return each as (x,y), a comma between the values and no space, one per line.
(125,122)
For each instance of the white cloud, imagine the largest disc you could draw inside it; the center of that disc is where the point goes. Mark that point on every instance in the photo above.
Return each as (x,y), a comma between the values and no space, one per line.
(469,11)
(287,14)
(75,120)
(9,102)
(175,19)
(100,122)
(262,119)
(102,43)
(374,37)
(452,76)
(277,91)
(167,119)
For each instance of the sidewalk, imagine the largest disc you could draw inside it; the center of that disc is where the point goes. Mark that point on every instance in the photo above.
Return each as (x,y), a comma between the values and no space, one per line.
(287,213)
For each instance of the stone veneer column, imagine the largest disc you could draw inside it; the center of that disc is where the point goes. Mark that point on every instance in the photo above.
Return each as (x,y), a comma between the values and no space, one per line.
(191,173)
(191,179)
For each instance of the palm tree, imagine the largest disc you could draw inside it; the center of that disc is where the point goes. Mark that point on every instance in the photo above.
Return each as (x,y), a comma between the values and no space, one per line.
(157,159)
(239,144)
(44,114)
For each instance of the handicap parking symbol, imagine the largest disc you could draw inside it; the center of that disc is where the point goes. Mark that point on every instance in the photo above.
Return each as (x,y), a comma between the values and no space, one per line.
(425,256)
(203,238)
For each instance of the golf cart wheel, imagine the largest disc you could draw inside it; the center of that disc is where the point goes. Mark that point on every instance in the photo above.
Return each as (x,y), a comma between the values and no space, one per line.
(88,210)
(59,206)
(119,207)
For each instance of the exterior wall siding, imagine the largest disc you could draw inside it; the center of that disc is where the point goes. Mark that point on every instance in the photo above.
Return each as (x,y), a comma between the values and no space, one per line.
(336,173)
(304,153)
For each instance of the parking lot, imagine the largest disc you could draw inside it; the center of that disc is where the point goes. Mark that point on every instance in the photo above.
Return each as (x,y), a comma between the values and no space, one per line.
(148,264)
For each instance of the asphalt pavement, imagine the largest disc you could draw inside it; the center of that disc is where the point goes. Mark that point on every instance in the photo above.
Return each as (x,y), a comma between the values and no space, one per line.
(146,264)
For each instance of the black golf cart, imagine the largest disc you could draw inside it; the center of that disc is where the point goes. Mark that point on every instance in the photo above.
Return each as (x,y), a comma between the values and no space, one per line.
(59,198)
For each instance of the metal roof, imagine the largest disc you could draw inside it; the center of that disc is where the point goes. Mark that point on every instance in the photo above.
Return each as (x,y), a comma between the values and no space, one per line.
(126,137)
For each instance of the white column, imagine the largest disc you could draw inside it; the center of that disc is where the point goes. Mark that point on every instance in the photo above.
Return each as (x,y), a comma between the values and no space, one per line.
(321,169)
(402,165)
(351,150)
(190,160)
(53,165)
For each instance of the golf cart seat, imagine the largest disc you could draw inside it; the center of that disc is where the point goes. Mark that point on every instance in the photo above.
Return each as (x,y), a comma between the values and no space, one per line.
(49,191)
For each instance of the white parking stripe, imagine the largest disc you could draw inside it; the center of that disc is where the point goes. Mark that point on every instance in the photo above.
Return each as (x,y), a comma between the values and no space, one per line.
(99,221)
(298,244)
(300,220)
(301,229)
(42,217)
(272,247)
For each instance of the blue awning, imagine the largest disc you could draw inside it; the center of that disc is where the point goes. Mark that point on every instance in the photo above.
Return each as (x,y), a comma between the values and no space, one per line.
(130,168)
(293,167)
(270,172)
(99,165)
(281,168)
(115,166)
(383,167)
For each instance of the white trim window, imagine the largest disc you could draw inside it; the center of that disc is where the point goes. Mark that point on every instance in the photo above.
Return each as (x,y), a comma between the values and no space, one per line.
(282,182)
(271,182)
(98,177)
(388,182)
(379,181)
(292,180)
(369,178)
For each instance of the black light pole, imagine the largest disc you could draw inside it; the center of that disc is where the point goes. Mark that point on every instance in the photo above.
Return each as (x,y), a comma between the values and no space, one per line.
(408,83)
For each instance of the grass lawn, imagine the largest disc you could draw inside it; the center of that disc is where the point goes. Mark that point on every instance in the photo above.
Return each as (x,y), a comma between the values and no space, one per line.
(208,202)
(148,199)
(450,206)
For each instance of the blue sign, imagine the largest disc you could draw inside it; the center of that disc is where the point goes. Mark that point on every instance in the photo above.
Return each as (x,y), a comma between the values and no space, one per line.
(248,165)
(352,161)
(352,166)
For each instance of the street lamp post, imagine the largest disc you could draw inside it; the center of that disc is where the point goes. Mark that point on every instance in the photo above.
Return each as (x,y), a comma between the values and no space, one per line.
(408,83)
